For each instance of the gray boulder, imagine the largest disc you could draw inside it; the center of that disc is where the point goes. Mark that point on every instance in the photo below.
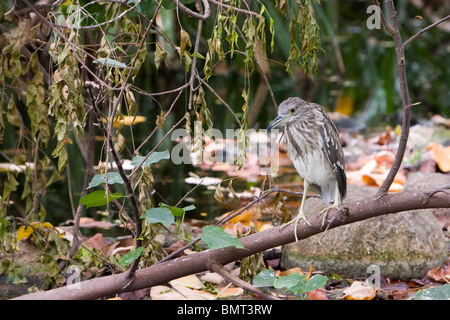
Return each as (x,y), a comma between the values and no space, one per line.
(401,246)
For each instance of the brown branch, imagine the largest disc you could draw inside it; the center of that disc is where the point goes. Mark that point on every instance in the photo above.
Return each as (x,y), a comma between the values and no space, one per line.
(237,9)
(130,193)
(380,14)
(218,268)
(194,64)
(425,30)
(161,273)
(200,16)
(406,121)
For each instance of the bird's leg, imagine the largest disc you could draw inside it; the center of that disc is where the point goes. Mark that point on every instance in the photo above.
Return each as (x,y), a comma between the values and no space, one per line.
(301,213)
(335,205)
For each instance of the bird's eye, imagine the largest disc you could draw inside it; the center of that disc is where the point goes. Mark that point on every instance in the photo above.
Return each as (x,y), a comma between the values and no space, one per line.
(292,110)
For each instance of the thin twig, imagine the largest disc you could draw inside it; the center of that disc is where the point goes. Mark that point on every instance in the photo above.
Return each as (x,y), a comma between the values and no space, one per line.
(247,12)
(157,145)
(36,184)
(194,64)
(156,127)
(218,268)
(200,16)
(425,30)
(203,82)
(385,24)
(230,216)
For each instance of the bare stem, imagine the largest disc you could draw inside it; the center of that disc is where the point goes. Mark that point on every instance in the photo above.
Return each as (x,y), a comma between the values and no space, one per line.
(399,50)
(425,30)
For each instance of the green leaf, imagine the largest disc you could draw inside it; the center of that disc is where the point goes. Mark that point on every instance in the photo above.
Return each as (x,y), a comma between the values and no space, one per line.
(317,281)
(435,293)
(216,238)
(189,208)
(155,157)
(131,256)
(110,62)
(265,278)
(98,179)
(98,198)
(290,281)
(159,215)
(198,55)
(177,212)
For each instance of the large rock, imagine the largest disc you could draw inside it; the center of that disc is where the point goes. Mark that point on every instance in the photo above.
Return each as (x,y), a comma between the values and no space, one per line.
(422,181)
(404,245)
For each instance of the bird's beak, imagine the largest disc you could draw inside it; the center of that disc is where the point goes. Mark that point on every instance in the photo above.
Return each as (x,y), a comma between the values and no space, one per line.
(277,122)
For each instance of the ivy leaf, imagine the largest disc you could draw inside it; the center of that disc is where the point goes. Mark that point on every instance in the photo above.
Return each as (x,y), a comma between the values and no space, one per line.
(127,259)
(317,281)
(265,278)
(434,293)
(189,208)
(177,212)
(155,157)
(291,282)
(159,215)
(216,238)
(98,198)
(165,214)
(98,179)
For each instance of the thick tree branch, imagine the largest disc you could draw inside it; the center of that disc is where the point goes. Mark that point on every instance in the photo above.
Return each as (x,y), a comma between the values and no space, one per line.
(161,273)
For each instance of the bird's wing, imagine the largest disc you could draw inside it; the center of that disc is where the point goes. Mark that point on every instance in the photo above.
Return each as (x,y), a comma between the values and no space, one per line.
(333,150)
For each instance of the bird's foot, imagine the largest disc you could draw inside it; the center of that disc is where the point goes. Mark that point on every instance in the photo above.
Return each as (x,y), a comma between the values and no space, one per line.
(295,221)
(326,210)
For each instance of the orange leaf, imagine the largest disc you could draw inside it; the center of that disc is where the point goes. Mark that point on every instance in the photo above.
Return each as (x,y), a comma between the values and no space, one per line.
(289,271)
(317,294)
(368,180)
(441,155)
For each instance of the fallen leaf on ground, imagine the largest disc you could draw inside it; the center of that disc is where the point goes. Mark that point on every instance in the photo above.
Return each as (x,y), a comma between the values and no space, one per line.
(190,294)
(441,155)
(360,291)
(289,271)
(440,274)
(96,242)
(230,292)
(190,281)
(91,223)
(212,277)
(317,294)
